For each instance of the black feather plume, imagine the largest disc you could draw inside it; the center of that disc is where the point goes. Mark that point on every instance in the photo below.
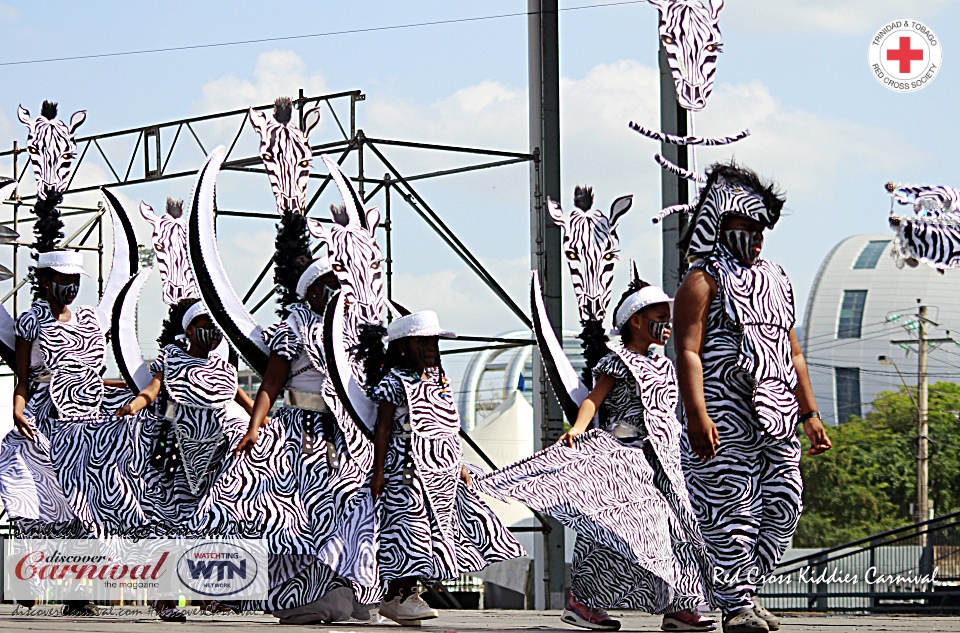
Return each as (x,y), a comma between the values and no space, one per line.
(291,258)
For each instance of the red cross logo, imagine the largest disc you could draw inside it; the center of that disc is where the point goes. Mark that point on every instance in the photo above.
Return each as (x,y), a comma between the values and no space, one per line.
(905,55)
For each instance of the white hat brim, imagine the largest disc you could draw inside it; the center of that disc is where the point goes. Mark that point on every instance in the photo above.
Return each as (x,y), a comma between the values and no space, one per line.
(426,333)
(68,269)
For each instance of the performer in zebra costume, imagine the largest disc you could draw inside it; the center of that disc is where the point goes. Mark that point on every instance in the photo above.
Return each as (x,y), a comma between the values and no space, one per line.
(432,526)
(621,486)
(301,472)
(745,385)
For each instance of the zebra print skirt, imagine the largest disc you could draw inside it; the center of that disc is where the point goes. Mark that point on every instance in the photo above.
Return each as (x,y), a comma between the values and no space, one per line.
(320,531)
(634,550)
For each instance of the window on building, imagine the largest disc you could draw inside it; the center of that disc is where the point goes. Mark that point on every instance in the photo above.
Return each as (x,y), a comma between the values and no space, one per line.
(870,255)
(851,313)
(848,393)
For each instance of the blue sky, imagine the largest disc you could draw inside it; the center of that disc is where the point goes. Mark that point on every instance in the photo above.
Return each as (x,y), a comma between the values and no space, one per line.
(795,72)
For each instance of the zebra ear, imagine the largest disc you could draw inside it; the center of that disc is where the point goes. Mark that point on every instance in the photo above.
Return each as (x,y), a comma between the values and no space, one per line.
(257,119)
(24,115)
(373,219)
(317,230)
(77,120)
(147,212)
(619,207)
(556,213)
(715,6)
(310,120)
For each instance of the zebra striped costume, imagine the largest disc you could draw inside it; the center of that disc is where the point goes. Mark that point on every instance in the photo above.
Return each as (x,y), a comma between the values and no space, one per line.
(748,497)
(690,34)
(638,545)
(431,525)
(932,235)
(147,474)
(51,147)
(64,386)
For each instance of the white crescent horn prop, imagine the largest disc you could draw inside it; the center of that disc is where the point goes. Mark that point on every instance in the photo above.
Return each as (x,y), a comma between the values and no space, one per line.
(8,339)
(7,188)
(226,308)
(125,262)
(126,343)
(359,407)
(351,199)
(567,385)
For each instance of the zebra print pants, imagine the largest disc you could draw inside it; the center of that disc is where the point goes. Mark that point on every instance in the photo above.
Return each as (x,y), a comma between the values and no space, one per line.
(748,500)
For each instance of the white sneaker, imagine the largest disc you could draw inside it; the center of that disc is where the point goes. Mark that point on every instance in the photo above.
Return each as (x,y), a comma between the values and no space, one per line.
(409,612)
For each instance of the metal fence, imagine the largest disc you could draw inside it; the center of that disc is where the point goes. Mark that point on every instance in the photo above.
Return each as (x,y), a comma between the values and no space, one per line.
(913,569)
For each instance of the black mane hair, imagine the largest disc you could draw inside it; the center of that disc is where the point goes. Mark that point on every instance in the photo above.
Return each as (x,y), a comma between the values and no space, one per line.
(283,110)
(583,197)
(594,343)
(291,258)
(737,176)
(49,110)
(173,324)
(174,207)
(635,284)
(47,232)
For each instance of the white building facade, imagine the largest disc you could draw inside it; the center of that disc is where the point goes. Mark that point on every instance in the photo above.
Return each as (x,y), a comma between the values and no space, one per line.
(860,302)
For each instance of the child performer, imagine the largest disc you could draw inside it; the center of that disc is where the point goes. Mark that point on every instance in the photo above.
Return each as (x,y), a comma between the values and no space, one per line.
(432,526)
(621,486)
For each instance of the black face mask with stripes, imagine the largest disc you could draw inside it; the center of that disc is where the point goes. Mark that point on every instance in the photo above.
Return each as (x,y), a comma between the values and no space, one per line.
(207,337)
(64,293)
(743,244)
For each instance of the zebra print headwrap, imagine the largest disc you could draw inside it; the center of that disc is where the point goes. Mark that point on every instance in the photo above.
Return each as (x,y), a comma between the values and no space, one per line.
(286,153)
(690,32)
(932,234)
(52,148)
(730,189)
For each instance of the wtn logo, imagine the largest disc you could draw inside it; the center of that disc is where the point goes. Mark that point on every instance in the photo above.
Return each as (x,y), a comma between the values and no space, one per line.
(224,568)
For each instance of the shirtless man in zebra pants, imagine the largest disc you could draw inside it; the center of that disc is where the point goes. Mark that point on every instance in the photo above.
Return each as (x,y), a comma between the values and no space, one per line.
(745,386)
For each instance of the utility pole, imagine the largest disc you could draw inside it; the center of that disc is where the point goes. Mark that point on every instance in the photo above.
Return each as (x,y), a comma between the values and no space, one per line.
(544,87)
(923,398)
(674,189)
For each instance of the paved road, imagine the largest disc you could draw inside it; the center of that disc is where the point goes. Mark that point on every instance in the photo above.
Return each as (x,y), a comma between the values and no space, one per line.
(140,620)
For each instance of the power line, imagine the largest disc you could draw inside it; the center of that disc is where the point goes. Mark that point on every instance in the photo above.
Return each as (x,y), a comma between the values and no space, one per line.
(288,38)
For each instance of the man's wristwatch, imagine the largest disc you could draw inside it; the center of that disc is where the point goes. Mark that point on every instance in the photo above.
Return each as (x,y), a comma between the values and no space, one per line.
(812,414)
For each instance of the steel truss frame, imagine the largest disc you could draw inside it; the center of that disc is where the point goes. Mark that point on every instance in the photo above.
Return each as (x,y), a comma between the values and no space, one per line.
(150,161)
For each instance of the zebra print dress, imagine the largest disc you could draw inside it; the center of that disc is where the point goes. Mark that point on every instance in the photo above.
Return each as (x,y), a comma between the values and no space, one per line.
(431,525)
(64,385)
(638,543)
(291,491)
(145,475)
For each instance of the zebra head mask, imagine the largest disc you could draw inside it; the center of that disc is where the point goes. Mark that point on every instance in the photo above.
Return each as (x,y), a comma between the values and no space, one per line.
(286,152)
(690,33)
(354,253)
(729,190)
(52,148)
(932,234)
(590,246)
(170,250)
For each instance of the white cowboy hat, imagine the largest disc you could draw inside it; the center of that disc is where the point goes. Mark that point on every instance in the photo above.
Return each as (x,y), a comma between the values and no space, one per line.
(314,271)
(423,323)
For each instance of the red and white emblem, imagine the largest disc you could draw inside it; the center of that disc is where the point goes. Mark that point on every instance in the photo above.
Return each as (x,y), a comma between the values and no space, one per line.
(905,55)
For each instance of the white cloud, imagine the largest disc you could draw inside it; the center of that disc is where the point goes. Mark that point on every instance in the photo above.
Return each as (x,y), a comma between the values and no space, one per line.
(834,16)
(8,14)
(276,73)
